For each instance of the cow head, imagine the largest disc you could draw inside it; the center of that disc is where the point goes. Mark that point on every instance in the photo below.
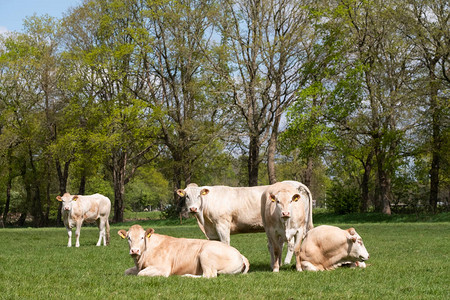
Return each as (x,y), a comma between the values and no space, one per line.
(137,239)
(193,200)
(283,201)
(357,251)
(67,201)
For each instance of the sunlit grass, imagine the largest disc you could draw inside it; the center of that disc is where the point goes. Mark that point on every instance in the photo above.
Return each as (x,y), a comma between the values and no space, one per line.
(408,261)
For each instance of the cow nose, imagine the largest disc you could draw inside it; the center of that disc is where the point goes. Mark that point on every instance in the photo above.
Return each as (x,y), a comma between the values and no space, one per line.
(285,214)
(66,208)
(193,209)
(134,251)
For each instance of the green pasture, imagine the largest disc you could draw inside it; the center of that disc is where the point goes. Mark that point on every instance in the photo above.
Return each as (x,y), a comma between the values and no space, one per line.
(408,261)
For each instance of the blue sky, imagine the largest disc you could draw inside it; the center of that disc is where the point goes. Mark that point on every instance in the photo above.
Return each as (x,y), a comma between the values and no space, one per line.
(13,12)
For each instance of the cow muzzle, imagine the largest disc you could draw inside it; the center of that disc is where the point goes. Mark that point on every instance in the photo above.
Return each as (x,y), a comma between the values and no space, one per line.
(285,214)
(364,258)
(66,208)
(193,209)
(135,251)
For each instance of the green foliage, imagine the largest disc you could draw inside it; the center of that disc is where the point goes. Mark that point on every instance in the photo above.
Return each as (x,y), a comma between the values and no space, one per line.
(149,187)
(343,198)
(106,89)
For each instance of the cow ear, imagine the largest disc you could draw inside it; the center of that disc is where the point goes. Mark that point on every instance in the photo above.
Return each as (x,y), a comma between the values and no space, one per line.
(204,192)
(75,198)
(181,193)
(296,197)
(352,238)
(352,234)
(149,232)
(122,233)
(272,197)
(59,198)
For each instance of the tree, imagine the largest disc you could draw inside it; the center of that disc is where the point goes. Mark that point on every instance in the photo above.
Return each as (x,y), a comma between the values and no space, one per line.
(425,24)
(179,81)
(28,87)
(114,59)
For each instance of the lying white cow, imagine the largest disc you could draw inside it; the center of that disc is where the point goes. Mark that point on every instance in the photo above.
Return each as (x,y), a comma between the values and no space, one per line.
(162,255)
(76,209)
(224,210)
(285,220)
(328,247)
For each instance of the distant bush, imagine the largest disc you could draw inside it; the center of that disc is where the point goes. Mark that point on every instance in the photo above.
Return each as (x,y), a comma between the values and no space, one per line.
(343,199)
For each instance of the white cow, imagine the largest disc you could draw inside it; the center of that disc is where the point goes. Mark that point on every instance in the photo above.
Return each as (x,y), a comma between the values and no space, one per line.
(162,255)
(223,210)
(76,209)
(328,247)
(285,220)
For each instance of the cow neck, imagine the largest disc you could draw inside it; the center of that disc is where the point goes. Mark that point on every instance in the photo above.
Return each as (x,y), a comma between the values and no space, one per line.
(141,259)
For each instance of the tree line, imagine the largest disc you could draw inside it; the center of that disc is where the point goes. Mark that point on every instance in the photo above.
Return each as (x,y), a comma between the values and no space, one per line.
(137,98)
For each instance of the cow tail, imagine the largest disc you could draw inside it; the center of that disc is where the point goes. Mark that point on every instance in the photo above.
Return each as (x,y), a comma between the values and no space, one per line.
(246,265)
(107,231)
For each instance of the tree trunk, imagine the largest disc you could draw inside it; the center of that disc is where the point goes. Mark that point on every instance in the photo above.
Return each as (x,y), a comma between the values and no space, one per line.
(384,186)
(271,151)
(307,178)
(8,187)
(118,202)
(119,166)
(82,187)
(63,175)
(365,183)
(36,205)
(253,162)
(47,197)
(8,200)
(435,143)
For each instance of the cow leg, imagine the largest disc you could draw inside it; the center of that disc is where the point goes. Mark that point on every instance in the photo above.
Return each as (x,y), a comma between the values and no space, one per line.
(102,232)
(270,247)
(307,266)
(277,249)
(298,241)
(290,251)
(209,273)
(191,275)
(69,233)
(154,271)
(223,230)
(77,233)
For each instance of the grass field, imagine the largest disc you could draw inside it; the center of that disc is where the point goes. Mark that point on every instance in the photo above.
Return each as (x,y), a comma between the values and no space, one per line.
(407,261)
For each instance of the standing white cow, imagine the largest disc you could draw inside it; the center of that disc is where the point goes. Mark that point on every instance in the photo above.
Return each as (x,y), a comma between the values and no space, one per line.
(76,209)
(285,220)
(223,210)
(328,247)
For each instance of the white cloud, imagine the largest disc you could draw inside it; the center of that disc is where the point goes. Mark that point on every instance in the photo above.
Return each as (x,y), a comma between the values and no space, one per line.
(3,30)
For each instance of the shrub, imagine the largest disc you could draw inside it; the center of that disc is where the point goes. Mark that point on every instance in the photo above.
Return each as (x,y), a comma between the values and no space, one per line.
(343,199)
